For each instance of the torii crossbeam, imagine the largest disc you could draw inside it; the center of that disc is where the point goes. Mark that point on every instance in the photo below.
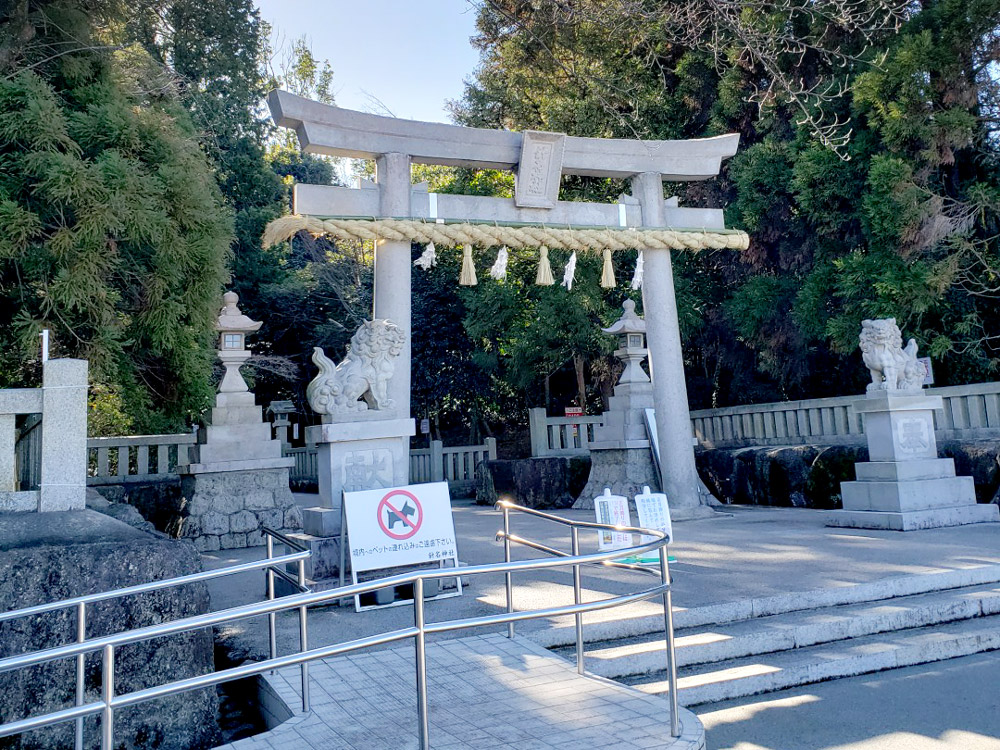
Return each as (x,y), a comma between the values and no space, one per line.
(539,160)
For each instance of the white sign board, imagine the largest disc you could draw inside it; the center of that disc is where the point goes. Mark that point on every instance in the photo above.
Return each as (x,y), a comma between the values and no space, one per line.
(928,370)
(654,513)
(612,510)
(400,526)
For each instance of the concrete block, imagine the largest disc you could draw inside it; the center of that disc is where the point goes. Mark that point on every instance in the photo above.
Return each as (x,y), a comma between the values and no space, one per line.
(64,435)
(915,495)
(912,521)
(19,502)
(893,471)
(8,477)
(321,521)
(324,562)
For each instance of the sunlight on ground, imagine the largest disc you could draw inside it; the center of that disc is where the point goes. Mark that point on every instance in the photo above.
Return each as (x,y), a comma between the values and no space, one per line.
(700,639)
(718,718)
(723,675)
(950,740)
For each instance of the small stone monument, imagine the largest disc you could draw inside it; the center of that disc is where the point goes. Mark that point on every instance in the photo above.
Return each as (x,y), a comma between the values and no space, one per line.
(237,480)
(621,456)
(904,486)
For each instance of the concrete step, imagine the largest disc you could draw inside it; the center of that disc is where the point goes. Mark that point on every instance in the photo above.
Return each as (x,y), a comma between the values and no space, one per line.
(620,623)
(736,678)
(794,630)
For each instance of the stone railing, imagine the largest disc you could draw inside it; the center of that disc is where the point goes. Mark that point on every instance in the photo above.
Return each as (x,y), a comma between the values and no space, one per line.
(453,465)
(137,458)
(561,436)
(456,465)
(970,411)
(306,468)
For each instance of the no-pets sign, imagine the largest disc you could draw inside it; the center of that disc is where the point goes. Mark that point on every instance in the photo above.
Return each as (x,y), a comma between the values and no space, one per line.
(400,526)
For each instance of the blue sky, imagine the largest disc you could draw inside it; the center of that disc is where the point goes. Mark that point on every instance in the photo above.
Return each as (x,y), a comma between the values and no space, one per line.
(410,55)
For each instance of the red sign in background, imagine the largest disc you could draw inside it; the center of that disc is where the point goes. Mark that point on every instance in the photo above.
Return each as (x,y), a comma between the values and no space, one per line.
(388,514)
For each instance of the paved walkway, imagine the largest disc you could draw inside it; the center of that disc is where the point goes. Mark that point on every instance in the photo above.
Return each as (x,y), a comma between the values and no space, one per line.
(483,692)
(948,705)
(754,553)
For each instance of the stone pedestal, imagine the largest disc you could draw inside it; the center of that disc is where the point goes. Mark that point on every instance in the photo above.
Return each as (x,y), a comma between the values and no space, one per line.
(905,486)
(620,455)
(360,455)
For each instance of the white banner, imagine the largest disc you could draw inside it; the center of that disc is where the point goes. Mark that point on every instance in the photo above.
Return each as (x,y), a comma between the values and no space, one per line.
(398,526)
(654,513)
(613,510)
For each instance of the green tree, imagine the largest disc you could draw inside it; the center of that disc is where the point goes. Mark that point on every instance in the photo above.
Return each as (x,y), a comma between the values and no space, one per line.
(113,233)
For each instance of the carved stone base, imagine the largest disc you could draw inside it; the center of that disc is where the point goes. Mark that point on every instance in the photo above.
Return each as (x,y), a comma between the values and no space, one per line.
(625,471)
(227,509)
(360,456)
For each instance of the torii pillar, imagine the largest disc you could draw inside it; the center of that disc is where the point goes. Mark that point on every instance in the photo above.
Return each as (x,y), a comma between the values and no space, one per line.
(678,474)
(393,270)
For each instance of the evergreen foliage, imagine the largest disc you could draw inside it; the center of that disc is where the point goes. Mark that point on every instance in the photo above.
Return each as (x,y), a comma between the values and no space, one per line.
(898,220)
(112,230)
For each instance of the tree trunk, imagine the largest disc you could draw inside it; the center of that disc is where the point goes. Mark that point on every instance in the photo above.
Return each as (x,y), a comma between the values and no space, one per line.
(581,385)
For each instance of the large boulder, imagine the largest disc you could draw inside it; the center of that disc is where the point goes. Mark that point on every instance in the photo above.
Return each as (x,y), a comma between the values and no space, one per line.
(54,556)
(532,482)
(809,476)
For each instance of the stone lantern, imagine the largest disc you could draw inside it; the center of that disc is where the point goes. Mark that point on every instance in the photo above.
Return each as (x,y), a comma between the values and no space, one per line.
(631,332)
(237,480)
(233,326)
(620,455)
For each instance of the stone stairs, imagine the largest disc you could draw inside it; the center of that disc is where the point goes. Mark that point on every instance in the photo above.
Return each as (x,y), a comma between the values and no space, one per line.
(755,646)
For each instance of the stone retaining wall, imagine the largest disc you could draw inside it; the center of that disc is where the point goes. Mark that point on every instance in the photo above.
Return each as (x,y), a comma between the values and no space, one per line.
(226,510)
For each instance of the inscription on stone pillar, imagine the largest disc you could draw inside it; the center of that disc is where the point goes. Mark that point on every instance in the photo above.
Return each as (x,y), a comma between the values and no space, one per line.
(913,435)
(365,470)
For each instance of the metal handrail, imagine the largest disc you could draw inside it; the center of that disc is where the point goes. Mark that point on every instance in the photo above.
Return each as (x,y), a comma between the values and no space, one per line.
(668,616)
(107,644)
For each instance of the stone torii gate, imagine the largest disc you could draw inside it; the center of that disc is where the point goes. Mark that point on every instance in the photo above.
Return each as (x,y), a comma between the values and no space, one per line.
(539,160)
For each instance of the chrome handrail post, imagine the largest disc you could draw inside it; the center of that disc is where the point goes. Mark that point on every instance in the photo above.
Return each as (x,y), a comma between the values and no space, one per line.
(272,637)
(668,625)
(577,596)
(81,636)
(507,576)
(304,639)
(107,695)
(420,647)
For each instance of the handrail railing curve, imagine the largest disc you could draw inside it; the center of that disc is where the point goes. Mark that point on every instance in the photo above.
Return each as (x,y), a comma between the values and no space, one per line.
(302,601)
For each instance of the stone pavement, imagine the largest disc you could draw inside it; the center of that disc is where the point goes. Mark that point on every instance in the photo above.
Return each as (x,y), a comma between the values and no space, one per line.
(753,553)
(483,692)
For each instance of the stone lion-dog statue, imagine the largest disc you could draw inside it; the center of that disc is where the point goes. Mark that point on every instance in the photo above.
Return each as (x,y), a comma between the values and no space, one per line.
(361,381)
(891,366)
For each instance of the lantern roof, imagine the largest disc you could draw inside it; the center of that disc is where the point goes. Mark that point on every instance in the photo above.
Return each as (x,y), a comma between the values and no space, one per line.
(231,319)
(629,322)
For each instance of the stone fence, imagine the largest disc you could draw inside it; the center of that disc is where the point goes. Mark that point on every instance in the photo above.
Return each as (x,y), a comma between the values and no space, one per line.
(42,434)
(561,436)
(455,465)
(970,411)
(137,458)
